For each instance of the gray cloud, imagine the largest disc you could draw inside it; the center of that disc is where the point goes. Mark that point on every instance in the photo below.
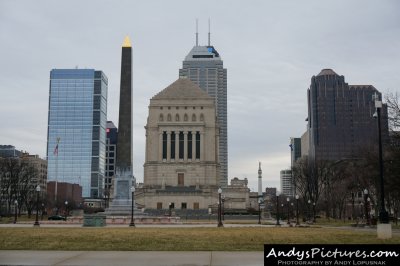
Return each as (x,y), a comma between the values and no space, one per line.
(270,48)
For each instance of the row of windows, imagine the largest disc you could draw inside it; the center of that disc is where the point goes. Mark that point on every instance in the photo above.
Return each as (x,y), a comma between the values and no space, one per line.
(191,136)
(177,118)
(177,107)
(171,205)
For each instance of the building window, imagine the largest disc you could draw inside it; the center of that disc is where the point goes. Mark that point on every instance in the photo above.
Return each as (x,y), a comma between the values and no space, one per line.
(196,205)
(185,118)
(181,179)
(181,145)
(194,118)
(201,117)
(183,206)
(161,117)
(189,144)
(164,145)
(197,145)
(169,118)
(172,145)
(176,117)
(159,205)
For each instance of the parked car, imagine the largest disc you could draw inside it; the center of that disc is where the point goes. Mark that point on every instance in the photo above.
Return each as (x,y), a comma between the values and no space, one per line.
(57,218)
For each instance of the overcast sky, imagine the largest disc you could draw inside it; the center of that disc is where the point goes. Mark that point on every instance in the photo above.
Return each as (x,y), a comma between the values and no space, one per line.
(271,50)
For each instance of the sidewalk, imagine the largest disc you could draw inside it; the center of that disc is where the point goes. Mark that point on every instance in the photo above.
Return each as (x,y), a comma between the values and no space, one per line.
(131,258)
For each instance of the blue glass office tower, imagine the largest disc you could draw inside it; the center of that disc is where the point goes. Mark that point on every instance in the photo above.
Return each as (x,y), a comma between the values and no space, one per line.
(77,119)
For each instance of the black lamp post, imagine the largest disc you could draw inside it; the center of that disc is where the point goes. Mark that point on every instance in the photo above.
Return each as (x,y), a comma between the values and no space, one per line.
(223,207)
(297,210)
(314,212)
(288,210)
(15,210)
(41,217)
(66,209)
(132,207)
(37,206)
(366,206)
(309,210)
(169,209)
(277,209)
(219,208)
(383,214)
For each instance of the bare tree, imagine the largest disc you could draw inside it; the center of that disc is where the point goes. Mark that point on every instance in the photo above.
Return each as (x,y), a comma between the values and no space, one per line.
(392,102)
(17,182)
(311,178)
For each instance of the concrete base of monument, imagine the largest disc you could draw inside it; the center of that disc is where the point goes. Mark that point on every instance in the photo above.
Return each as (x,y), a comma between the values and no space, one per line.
(121,207)
(114,220)
(123,219)
(384,231)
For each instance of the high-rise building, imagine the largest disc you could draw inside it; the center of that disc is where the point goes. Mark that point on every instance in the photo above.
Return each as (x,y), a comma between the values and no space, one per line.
(8,151)
(111,154)
(286,183)
(295,149)
(76,136)
(340,117)
(204,66)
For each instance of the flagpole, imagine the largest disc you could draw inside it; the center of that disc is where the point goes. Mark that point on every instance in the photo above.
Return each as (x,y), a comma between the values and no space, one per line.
(56,189)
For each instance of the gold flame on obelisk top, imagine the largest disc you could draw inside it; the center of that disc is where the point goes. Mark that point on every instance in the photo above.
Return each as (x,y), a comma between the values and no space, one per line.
(127,42)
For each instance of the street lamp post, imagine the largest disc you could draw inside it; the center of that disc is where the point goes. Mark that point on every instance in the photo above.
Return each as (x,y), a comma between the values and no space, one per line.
(366,206)
(297,210)
(37,206)
(223,207)
(41,217)
(169,209)
(288,210)
(383,214)
(219,208)
(309,210)
(314,212)
(132,207)
(66,209)
(277,209)
(15,210)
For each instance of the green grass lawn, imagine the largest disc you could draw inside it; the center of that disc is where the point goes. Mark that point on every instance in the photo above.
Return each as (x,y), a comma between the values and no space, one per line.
(174,239)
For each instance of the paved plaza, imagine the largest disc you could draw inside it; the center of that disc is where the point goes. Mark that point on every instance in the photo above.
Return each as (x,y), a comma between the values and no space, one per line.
(131,258)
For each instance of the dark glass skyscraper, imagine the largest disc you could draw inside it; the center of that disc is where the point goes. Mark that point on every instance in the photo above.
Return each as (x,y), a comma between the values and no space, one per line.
(340,121)
(111,154)
(204,66)
(76,136)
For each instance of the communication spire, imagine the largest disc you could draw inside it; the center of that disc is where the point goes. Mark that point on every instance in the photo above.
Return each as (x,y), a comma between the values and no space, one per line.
(197,32)
(209,32)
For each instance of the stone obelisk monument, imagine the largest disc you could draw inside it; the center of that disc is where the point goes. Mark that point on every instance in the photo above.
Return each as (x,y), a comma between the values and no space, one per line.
(123,180)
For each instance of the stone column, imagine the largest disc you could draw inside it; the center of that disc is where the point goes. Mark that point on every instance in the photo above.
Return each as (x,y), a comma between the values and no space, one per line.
(168,146)
(202,146)
(176,146)
(160,146)
(193,146)
(185,148)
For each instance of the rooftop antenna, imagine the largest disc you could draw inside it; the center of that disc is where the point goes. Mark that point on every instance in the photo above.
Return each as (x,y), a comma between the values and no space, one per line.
(197,32)
(209,33)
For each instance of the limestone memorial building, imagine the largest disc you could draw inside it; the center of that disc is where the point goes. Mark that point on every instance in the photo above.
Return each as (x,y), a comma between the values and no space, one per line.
(181,169)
